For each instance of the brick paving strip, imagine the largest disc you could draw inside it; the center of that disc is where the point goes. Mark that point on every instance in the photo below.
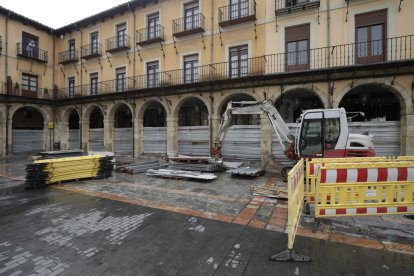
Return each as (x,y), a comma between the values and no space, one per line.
(277,221)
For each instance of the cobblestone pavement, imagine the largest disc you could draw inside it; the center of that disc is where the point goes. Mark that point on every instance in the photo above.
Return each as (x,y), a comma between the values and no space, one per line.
(56,232)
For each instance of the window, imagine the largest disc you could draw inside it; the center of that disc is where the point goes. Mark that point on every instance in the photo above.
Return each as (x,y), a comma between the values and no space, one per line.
(191,19)
(30,45)
(93,83)
(370,36)
(191,68)
(153,78)
(238,9)
(72,49)
(121,35)
(297,47)
(291,3)
(94,43)
(153,26)
(71,87)
(29,83)
(120,79)
(238,61)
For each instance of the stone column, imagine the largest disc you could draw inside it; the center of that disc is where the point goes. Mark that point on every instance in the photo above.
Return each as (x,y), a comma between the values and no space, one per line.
(407,135)
(9,142)
(172,136)
(85,134)
(138,136)
(62,134)
(109,144)
(267,135)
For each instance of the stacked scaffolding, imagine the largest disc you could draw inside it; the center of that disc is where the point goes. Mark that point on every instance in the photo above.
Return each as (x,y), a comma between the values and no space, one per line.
(44,172)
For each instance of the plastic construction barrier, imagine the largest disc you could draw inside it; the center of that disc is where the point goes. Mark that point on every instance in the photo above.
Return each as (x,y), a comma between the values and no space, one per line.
(48,171)
(365,189)
(313,165)
(296,179)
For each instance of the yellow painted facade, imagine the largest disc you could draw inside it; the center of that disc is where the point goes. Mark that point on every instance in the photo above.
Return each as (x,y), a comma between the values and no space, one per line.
(332,29)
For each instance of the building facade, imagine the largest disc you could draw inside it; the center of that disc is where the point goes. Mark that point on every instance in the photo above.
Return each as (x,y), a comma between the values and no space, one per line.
(154,77)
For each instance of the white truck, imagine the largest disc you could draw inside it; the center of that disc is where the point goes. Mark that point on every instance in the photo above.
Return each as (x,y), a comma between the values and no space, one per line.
(322,133)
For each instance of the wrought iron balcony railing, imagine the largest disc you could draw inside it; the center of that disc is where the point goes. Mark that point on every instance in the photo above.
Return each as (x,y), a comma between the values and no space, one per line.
(22,90)
(354,55)
(188,25)
(67,57)
(288,6)
(240,12)
(32,53)
(118,43)
(91,51)
(150,35)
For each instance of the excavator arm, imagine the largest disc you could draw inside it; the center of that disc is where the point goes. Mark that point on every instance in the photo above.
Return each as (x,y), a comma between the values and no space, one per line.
(286,139)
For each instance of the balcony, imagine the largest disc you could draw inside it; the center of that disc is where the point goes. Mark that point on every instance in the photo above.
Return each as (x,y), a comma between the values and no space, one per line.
(289,6)
(34,53)
(20,90)
(68,57)
(339,57)
(241,12)
(150,35)
(91,51)
(188,25)
(118,43)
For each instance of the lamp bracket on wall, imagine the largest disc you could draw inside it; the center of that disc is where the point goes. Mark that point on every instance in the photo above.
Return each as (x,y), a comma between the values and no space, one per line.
(221,39)
(277,26)
(31,66)
(255,30)
(44,71)
(399,6)
(202,40)
(99,61)
(76,69)
(139,54)
(127,55)
(162,49)
(175,46)
(109,60)
(347,10)
(83,65)
(61,70)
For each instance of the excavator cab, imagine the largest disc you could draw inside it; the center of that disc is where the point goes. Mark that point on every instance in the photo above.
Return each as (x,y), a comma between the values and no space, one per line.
(323,133)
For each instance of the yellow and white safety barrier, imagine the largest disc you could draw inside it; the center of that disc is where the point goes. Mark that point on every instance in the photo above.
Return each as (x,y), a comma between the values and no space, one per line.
(357,189)
(296,189)
(313,165)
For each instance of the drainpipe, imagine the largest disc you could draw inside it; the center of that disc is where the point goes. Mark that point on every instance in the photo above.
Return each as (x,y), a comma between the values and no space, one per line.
(211,62)
(81,105)
(133,75)
(328,42)
(6,64)
(53,88)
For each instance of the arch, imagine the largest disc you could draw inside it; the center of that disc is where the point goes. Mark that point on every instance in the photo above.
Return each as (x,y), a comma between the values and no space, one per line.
(67,113)
(74,119)
(46,116)
(154,114)
(291,103)
(240,119)
(122,116)
(224,100)
(96,118)
(114,108)
(403,96)
(178,104)
(375,100)
(28,117)
(88,110)
(141,110)
(192,112)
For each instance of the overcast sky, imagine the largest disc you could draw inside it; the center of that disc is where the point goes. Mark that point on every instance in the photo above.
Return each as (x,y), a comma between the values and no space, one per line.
(58,13)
